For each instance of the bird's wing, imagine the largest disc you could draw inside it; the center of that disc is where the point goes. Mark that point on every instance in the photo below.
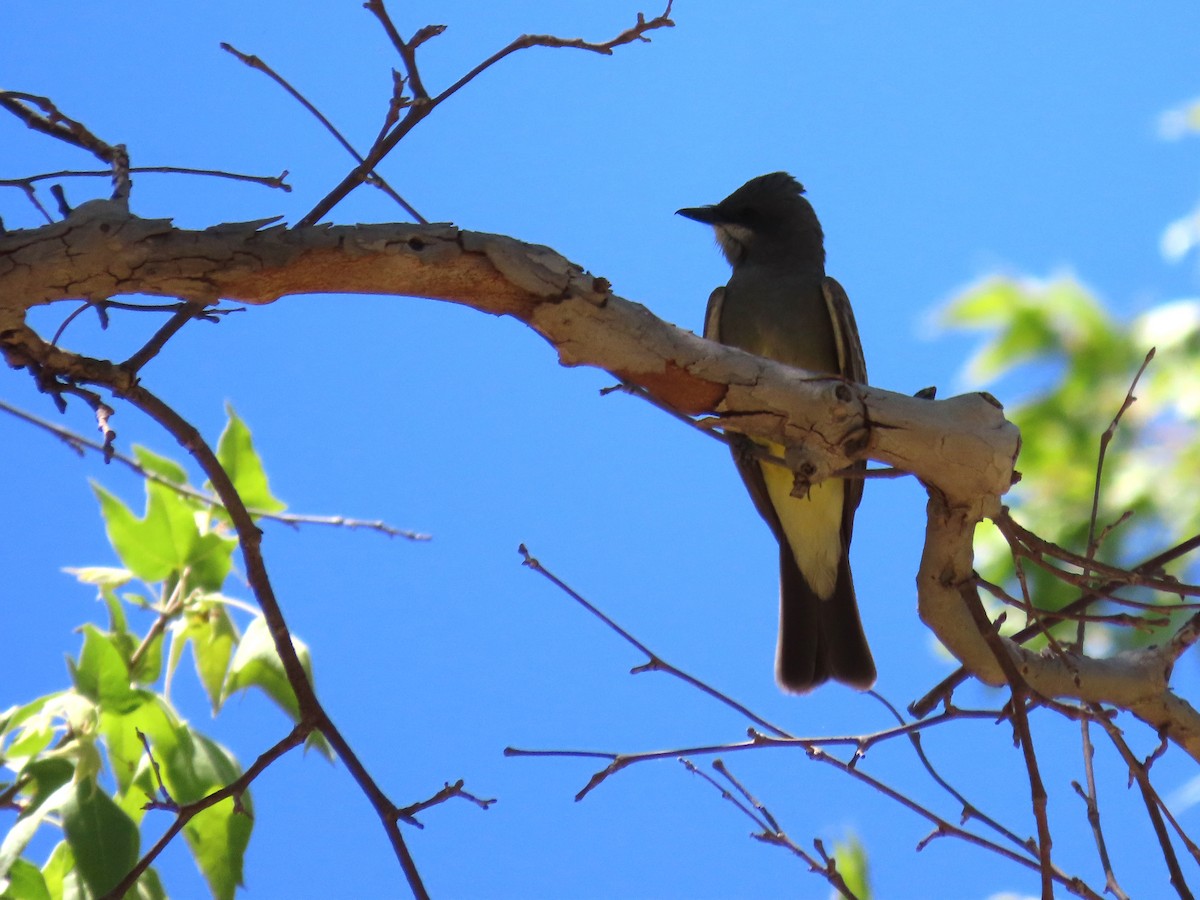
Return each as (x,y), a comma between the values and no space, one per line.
(712,315)
(742,448)
(853,366)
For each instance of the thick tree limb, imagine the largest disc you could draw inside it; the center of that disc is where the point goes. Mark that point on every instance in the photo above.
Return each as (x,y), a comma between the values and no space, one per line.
(962,448)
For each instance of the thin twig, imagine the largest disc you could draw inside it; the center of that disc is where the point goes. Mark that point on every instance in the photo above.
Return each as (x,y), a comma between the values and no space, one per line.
(768,830)
(188,811)
(1105,439)
(449,791)
(1091,799)
(969,809)
(1020,719)
(312,713)
(654,663)
(271,181)
(79,443)
(255,62)
(1150,798)
(924,705)
(423,105)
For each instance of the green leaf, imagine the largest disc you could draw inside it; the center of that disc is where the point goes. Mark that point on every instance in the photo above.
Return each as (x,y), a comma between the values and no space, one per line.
(103,839)
(144,545)
(212,635)
(167,540)
(148,666)
(25,882)
(107,579)
(192,767)
(148,887)
(241,461)
(101,674)
(218,837)
(851,859)
(47,778)
(126,755)
(160,465)
(58,868)
(101,576)
(257,664)
(32,732)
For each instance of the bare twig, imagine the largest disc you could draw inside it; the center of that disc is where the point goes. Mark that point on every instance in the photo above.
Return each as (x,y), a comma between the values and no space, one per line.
(1035,548)
(164,799)
(1020,691)
(423,104)
(449,791)
(654,662)
(188,811)
(969,809)
(79,443)
(1154,805)
(769,831)
(271,181)
(1105,439)
(312,713)
(374,178)
(1090,798)
(924,705)
(40,114)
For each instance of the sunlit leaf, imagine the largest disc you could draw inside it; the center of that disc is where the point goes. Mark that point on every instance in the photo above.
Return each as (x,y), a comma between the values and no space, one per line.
(218,837)
(160,465)
(166,540)
(257,664)
(241,461)
(103,839)
(25,882)
(851,858)
(212,635)
(101,674)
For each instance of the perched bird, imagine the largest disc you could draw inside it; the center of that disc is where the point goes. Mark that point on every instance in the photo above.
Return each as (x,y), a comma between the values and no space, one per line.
(780,304)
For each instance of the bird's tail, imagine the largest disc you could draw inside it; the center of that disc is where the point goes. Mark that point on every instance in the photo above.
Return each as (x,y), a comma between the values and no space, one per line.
(819,639)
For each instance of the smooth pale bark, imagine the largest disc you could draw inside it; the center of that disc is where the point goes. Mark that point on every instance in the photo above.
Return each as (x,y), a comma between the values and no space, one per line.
(962,448)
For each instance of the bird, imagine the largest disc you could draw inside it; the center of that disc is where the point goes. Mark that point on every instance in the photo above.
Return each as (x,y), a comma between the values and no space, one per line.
(780,304)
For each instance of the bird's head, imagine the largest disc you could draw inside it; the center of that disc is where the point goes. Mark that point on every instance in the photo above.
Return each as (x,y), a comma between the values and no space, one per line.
(766,218)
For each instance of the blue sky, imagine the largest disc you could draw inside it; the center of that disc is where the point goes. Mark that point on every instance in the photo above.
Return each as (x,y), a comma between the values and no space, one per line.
(939,142)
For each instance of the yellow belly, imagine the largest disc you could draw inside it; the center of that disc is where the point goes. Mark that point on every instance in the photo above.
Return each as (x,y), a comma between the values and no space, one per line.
(813,524)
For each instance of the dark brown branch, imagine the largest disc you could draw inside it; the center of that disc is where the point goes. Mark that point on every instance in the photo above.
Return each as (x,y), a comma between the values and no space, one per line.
(1034,548)
(250,541)
(271,181)
(448,792)
(188,811)
(1020,691)
(53,123)
(946,686)
(1151,800)
(79,443)
(374,178)
(423,105)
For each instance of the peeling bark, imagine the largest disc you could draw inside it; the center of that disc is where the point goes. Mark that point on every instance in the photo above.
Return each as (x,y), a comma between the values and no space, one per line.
(962,448)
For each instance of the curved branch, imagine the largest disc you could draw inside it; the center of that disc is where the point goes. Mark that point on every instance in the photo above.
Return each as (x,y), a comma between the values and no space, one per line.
(962,449)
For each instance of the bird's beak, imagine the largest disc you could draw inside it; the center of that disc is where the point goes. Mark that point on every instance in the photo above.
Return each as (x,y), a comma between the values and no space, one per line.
(706,214)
